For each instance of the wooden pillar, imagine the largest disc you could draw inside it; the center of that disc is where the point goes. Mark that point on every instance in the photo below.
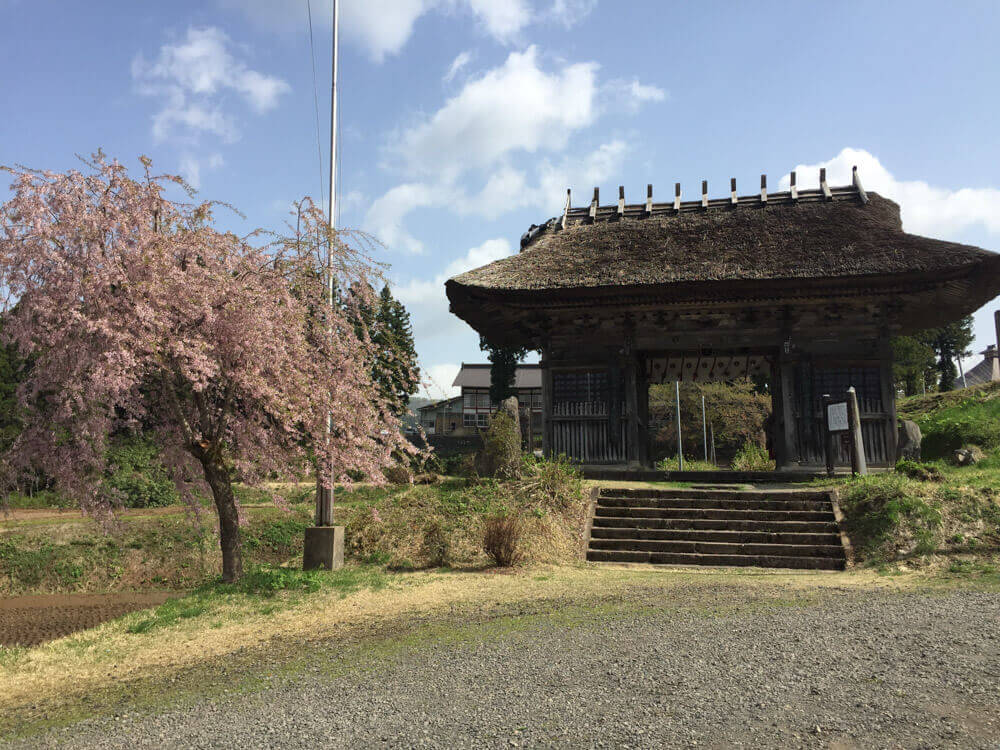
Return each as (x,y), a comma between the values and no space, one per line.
(642,384)
(789,430)
(888,397)
(632,437)
(546,403)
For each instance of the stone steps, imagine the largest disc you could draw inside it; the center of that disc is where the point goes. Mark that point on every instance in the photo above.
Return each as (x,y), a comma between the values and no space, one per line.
(745,514)
(766,528)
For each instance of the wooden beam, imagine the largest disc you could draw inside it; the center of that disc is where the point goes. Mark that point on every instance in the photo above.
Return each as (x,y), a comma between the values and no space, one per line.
(763,189)
(677,196)
(857,185)
(732,191)
(793,188)
(823,186)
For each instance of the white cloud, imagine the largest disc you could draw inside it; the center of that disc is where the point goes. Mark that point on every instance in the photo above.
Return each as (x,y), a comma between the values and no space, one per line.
(438,379)
(515,107)
(384,218)
(570,12)
(459,63)
(190,75)
(191,166)
(383,27)
(507,189)
(503,19)
(426,300)
(925,209)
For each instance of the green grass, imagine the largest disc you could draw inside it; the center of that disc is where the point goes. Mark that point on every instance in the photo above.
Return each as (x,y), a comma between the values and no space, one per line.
(951,420)
(269,588)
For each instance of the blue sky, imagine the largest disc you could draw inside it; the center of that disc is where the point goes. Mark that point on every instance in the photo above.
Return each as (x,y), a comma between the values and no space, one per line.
(464,121)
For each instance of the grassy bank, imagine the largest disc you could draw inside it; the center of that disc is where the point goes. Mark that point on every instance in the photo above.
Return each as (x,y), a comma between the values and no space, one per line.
(398,527)
(955,419)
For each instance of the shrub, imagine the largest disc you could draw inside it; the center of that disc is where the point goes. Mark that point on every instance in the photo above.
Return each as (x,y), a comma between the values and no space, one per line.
(551,483)
(500,456)
(502,539)
(397,474)
(136,475)
(670,464)
(436,545)
(752,457)
(919,471)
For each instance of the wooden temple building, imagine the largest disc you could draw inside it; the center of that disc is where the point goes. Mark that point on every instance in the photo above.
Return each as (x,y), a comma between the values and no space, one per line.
(803,287)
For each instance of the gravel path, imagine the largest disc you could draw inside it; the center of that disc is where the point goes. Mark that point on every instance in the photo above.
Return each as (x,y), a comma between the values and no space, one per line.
(856,670)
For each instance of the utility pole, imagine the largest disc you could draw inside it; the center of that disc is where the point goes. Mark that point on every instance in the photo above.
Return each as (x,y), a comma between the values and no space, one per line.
(324,495)
(324,542)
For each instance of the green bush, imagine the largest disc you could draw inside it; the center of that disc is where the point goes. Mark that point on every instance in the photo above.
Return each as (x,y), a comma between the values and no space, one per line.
(920,471)
(752,457)
(136,475)
(670,464)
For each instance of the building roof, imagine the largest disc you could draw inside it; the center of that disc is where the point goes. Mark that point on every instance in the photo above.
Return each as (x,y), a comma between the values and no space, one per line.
(749,241)
(830,243)
(439,404)
(981,373)
(474,375)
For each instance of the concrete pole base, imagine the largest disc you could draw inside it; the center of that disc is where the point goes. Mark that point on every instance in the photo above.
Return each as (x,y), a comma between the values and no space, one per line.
(324,548)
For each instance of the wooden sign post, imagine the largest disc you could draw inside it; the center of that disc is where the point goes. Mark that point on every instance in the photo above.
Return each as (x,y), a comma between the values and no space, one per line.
(858,463)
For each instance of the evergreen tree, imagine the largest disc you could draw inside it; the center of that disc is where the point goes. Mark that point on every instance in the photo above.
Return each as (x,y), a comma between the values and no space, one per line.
(927,358)
(914,363)
(503,369)
(395,369)
(949,342)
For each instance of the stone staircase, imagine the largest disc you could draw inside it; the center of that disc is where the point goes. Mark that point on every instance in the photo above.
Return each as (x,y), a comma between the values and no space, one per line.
(762,528)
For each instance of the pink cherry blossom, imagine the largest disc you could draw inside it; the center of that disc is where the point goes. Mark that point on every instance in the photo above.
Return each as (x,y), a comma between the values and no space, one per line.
(135,311)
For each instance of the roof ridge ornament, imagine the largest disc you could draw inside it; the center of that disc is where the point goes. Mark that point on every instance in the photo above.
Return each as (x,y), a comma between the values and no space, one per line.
(649,199)
(857,184)
(621,201)
(565,215)
(677,197)
(822,184)
(792,187)
(763,190)
(595,203)
(732,191)
(704,193)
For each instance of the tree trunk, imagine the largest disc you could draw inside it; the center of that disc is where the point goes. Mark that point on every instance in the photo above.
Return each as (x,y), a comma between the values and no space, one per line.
(217,476)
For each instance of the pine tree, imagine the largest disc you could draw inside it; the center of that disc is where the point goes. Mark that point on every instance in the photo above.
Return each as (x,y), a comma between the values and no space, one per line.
(395,369)
(949,342)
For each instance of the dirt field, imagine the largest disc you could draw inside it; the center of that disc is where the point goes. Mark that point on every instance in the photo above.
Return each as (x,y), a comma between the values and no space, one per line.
(30,620)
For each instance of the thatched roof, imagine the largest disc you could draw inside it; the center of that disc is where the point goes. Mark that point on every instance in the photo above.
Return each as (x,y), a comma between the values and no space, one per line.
(749,242)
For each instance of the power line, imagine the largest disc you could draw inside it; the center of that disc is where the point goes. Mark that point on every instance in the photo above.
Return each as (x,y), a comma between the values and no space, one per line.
(319,142)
